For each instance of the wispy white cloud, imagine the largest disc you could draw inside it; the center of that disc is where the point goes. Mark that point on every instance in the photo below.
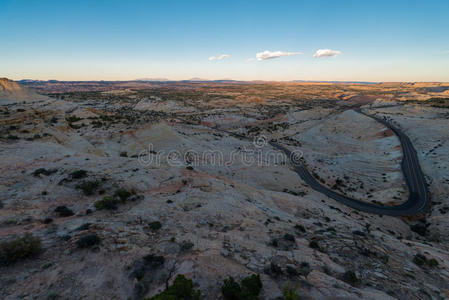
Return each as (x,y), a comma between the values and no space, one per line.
(223,56)
(326,53)
(249,59)
(274,54)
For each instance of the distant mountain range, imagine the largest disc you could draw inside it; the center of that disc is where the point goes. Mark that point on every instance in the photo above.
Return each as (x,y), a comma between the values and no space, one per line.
(195,79)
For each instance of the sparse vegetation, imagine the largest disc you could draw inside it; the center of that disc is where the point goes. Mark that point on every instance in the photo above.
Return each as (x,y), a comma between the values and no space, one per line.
(112,202)
(186,245)
(351,278)
(290,292)
(88,241)
(19,248)
(122,194)
(248,289)
(422,261)
(64,211)
(181,289)
(78,174)
(155,226)
(88,187)
(108,202)
(44,171)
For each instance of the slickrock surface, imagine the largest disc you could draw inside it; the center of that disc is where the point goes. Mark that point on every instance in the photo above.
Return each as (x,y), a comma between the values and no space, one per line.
(217,219)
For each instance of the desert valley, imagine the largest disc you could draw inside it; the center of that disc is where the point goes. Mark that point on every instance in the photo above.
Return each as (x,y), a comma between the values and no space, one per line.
(108,189)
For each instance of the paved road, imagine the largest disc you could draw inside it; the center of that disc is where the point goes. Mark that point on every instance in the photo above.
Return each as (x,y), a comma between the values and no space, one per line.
(418,198)
(414,178)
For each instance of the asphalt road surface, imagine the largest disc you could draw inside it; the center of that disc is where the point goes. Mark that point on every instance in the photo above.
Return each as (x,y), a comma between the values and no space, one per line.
(414,178)
(418,194)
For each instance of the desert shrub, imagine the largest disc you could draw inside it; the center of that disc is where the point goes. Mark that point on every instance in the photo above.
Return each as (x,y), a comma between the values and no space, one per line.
(47,220)
(304,268)
(274,242)
(122,194)
(314,245)
(107,202)
(420,229)
(432,262)
(186,245)
(248,289)
(19,248)
(273,270)
(419,259)
(84,226)
(72,119)
(88,187)
(291,271)
(111,202)
(155,226)
(290,292)
(358,232)
(300,228)
(64,211)
(154,260)
(289,237)
(78,174)
(53,296)
(181,289)
(351,278)
(88,241)
(44,171)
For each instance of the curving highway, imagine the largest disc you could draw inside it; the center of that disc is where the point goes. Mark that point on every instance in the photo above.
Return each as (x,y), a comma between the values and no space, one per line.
(414,177)
(418,198)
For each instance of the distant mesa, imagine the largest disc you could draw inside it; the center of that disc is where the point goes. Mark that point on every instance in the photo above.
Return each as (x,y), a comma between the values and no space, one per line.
(153,79)
(12,92)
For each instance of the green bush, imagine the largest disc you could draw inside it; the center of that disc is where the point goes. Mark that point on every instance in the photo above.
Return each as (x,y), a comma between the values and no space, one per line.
(107,202)
(419,259)
(290,292)
(248,289)
(351,278)
(154,260)
(78,174)
(155,226)
(64,211)
(181,289)
(300,228)
(186,245)
(122,194)
(19,248)
(432,262)
(111,202)
(289,237)
(44,171)
(72,119)
(88,241)
(88,187)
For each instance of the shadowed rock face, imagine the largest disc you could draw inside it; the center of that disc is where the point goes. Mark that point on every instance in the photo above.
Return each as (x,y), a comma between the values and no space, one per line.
(12,92)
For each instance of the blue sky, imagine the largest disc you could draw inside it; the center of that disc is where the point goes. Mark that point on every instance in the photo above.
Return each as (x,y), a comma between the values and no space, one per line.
(121,40)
